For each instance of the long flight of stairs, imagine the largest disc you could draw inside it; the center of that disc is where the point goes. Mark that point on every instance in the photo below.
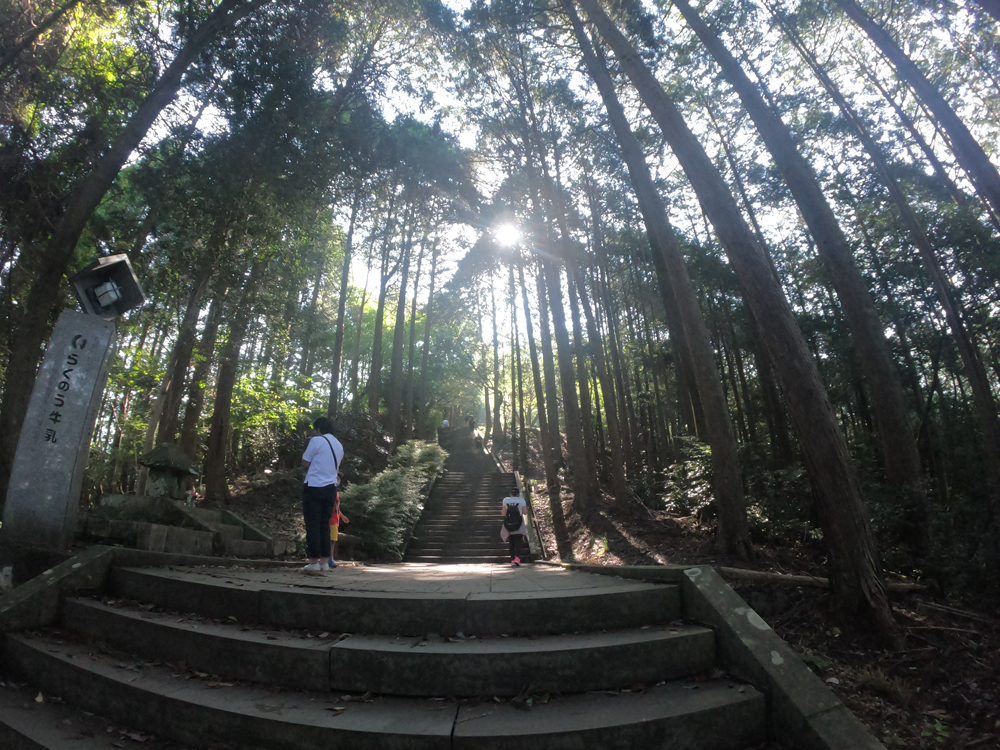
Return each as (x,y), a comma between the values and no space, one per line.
(396,657)
(461,518)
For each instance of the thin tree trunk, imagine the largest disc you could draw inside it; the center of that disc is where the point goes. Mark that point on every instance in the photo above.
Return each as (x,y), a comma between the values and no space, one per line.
(393,399)
(424,427)
(199,378)
(586,411)
(345,277)
(356,354)
(497,398)
(551,403)
(307,361)
(172,381)
(181,361)
(548,456)
(617,468)
(216,486)
(375,374)
(409,409)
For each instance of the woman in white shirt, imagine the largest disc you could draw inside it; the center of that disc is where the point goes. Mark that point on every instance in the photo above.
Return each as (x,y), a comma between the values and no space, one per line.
(322,459)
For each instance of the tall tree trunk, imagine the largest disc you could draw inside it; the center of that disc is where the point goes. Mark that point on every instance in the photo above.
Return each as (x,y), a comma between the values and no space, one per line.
(497,398)
(345,277)
(199,378)
(617,468)
(393,399)
(855,575)
(216,486)
(307,361)
(582,377)
(622,386)
(55,253)
(894,429)
(174,381)
(551,404)
(585,491)
(409,410)
(424,427)
(967,150)
(356,354)
(385,274)
(544,431)
(515,377)
(985,406)
(733,533)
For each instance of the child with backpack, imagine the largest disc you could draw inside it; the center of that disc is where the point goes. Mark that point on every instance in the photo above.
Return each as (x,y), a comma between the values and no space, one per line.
(514,531)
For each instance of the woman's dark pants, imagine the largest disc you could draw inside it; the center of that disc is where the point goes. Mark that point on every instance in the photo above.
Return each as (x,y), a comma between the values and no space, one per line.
(514,541)
(317,507)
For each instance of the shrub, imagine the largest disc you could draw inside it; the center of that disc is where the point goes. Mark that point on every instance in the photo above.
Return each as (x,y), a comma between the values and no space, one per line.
(384,511)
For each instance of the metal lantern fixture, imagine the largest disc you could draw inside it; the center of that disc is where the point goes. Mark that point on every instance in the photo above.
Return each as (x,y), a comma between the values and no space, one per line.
(107,287)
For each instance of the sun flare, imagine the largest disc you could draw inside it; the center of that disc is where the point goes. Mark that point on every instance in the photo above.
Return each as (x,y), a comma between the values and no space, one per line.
(506,234)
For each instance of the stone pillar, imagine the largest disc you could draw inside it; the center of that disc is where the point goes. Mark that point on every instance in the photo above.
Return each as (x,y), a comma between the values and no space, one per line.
(47,475)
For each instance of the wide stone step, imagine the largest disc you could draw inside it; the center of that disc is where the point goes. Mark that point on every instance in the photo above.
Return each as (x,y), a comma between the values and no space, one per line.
(28,724)
(201,710)
(491,543)
(481,532)
(415,666)
(310,606)
(476,532)
(711,715)
(472,559)
(456,546)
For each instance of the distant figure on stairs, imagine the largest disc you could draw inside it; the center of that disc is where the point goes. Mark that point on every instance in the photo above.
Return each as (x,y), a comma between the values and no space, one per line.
(471,422)
(444,423)
(322,460)
(514,531)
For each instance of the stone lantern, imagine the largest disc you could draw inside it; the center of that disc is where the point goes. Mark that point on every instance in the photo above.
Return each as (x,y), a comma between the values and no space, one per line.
(169,468)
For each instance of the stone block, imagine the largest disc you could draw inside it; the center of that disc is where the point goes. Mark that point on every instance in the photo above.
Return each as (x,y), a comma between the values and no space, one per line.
(152,537)
(750,649)
(188,541)
(245,548)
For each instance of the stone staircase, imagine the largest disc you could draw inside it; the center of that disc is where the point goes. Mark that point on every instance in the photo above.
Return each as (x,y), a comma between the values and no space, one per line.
(233,536)
(461,518)
(171,526)
(400,657)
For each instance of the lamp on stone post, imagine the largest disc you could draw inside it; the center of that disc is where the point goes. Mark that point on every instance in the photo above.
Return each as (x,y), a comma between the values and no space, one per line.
(47,475)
